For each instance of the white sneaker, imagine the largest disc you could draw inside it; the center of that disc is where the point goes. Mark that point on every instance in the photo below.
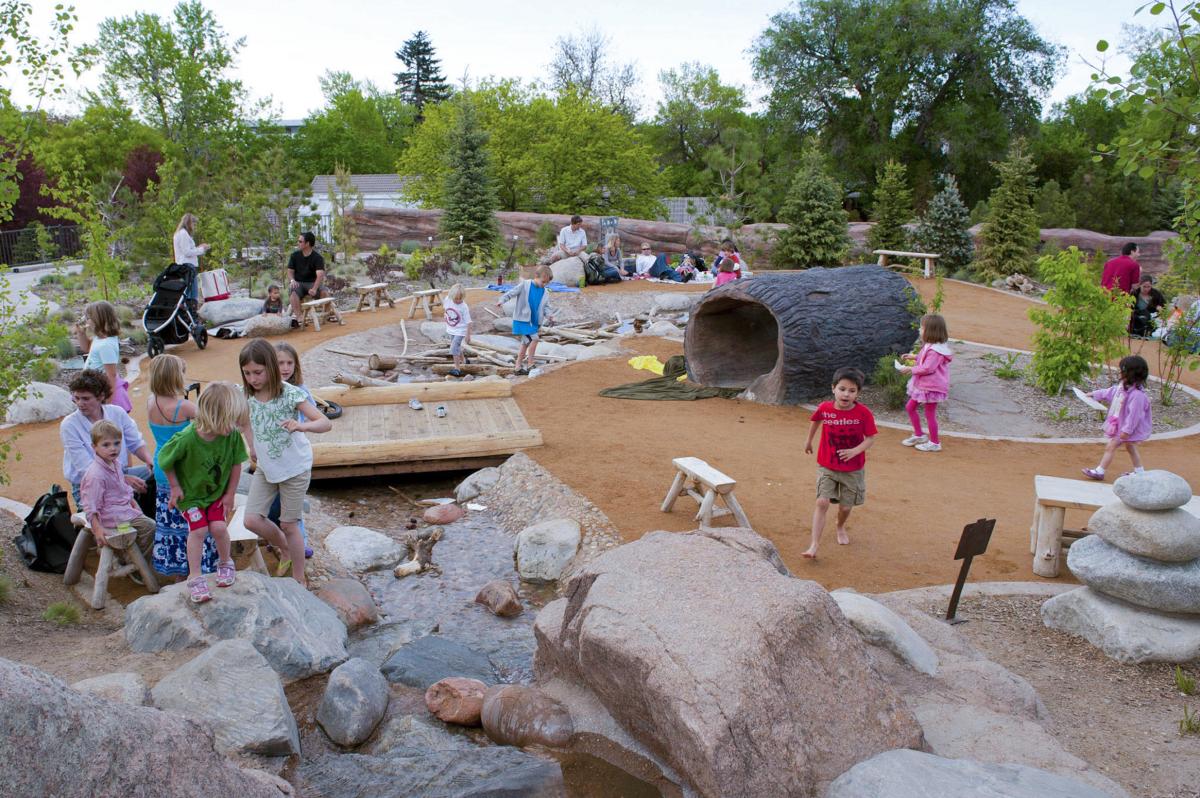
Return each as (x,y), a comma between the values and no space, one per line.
(929,447)
(913,440)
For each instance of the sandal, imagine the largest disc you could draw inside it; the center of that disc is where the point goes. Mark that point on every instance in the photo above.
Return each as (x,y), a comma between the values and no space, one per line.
(1092,473)
(226,574)
(198,590)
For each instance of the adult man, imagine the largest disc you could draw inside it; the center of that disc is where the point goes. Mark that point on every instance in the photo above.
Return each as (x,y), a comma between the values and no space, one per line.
(572,241)
(306,274)
(1122,271)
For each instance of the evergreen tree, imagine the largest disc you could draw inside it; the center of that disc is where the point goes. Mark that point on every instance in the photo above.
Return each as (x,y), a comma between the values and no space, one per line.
(893,208)
(422,81)
(816,233)
(1010,234)
(470,195)
(1053,206)
(945,228)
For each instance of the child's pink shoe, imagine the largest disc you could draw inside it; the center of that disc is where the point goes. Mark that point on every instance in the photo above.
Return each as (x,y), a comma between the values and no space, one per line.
(198,590)
(1092,473)
(226,574)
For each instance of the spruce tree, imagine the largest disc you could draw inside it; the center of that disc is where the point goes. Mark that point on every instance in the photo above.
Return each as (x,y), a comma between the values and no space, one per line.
(1053,206)
(945,228)
(470,194)
(1010,235)
(893,208)
(816,233)
(422,81)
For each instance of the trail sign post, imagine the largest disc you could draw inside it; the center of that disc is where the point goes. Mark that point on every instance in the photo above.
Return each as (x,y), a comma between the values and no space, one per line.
(973,543)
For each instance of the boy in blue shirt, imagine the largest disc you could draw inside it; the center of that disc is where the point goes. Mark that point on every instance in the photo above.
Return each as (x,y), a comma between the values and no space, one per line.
(531,307)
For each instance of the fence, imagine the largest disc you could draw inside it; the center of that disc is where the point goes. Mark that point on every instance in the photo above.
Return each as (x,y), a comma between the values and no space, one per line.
(39,244)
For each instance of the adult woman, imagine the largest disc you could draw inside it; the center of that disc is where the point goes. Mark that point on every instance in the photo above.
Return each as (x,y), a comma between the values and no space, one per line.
(90,391)
(657,266)
(1147,300)
(187,251)
(612,253)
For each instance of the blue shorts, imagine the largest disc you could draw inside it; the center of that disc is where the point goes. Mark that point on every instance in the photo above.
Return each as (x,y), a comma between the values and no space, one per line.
(456,343)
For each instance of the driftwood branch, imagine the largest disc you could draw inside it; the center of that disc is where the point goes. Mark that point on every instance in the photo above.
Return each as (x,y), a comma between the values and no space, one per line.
(359,381)
(420,552)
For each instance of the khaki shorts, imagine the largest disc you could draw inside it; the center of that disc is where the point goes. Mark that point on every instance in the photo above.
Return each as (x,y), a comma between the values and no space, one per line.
(291,496)
(847,488)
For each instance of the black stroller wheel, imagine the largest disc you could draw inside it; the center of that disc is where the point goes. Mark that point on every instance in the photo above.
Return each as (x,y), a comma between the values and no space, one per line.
(154,346)
(201,336)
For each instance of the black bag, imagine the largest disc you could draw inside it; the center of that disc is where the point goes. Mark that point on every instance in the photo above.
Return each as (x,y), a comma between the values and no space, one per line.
(46,540)
(593,270)
(147,501)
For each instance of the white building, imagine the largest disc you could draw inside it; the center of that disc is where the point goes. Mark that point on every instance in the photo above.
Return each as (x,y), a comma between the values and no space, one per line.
(378,191)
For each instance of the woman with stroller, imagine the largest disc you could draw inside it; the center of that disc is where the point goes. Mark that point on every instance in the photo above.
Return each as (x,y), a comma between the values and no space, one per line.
(188,251)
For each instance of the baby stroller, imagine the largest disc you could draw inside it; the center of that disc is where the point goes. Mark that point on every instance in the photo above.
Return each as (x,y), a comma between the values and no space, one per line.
(170,317)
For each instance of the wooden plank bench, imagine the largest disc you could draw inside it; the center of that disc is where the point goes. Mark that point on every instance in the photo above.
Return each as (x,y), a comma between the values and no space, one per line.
(373,294)
(1056,495)
(109,567)
(313,310)
(929,258)
(428,299)
(691,476)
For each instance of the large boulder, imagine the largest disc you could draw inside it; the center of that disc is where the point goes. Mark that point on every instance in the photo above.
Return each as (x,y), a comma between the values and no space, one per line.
(481,481)
(355,700)
(57,742)
(38,402)
(1124,632)
(232,688)
(675,301)
(881,627)
(435,331)
(229,310)
(298,633)
(513,714)
(123,688)
(568,271)
(432,658)
(913,774)
(685,639)
(1153,490)
(266,324)
(362,549)
(1166,587)
(544,550)
(1168,535)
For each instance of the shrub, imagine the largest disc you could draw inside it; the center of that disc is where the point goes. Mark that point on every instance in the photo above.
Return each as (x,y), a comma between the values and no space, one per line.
(124,314)
(547,234)
(1084,327)
(1010,235)
(408,247)
(44,370)
(893,208)
(945,229)
(64,348)
(894,383)
(62,613)
(816,232)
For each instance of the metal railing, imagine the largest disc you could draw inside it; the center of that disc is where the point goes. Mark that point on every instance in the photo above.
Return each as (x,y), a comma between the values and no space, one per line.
(39,244)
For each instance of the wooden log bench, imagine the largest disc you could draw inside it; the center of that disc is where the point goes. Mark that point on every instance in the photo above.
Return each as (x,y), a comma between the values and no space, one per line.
(930,258)
(1056,495)
(702,482)
(428,299)
(123,546)
(373,295)
(313,310)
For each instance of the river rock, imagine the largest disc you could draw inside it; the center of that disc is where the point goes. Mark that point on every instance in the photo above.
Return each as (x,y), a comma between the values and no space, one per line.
(232,688)
(500,598)
(266,324)
(456,700)
(435,331)
(521,716)
(503,324)
(224,311)
(145,751)
(568,271)
(1167,535)
(504,343)
(298,633)
(376,643)
(914,774)
(123,688)
(355,700)
(675,302)
(351,601)
(1153,490)
(38,402)
(481,481)
(442,514)
(880,626)
(362,549)
(1165,587)
(413,731)
(1124,632)
(432,658)
(545,550)
(692,693)
(664,329)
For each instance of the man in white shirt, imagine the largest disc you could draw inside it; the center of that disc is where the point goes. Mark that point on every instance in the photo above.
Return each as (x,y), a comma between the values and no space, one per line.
(572,241)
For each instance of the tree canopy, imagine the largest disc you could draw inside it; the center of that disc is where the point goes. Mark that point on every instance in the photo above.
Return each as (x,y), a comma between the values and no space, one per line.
(421,82)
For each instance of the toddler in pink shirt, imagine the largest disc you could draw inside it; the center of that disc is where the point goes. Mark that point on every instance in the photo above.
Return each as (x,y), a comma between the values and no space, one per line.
(1129,419)
(106,497)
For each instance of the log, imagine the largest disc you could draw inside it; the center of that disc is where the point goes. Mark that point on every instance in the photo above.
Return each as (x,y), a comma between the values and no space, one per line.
(383,362)
(494,359)
(477,445)
(420,552)
(425,391)
(359,381)
(481,370)
(570,335)
(360,355)
(539,355)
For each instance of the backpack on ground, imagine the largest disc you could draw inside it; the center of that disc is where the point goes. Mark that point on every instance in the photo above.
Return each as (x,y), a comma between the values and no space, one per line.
(45,541)
(595,272)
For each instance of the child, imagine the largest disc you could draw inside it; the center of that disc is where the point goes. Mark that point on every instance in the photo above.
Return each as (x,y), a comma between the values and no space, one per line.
(169,411)
(847,431)
(730,253)
(281,451)
(289,370)
(930,382)
(725,273)
(106,497)
(532,305)
(100,338)
(458,324)
(203,462)
(1128,422)
(274,302)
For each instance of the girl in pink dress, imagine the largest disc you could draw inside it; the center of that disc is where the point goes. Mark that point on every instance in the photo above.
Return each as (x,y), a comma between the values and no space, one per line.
(930,382)
(1129,420)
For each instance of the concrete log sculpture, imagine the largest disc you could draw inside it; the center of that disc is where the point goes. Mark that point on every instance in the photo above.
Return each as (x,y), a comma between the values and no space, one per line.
(782,336)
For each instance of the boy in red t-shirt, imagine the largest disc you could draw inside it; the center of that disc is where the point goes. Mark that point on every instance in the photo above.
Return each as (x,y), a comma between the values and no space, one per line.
(847,431)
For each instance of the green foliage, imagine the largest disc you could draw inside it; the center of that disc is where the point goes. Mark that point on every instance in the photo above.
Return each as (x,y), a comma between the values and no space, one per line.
(1084,327)
(939,295)
(470,198)
(1175,355)
(357,129)
(945,229)
(894,383)
(1184,683)
(816,233)
(344,199)
(1053,207)
(409,247)
(1189,723)
(421,83)
(547,234)
(1005,365)
(893,208)
(979,213)
(1060,414)
(1010,234)
(62,613)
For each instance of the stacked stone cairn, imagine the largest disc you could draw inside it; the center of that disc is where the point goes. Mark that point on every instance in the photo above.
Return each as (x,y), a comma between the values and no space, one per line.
(1141,567)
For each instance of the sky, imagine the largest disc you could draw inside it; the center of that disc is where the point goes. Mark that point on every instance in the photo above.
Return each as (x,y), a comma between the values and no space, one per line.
(290,45)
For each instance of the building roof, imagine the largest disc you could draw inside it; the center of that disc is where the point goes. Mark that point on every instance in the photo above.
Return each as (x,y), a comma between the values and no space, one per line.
(367,184)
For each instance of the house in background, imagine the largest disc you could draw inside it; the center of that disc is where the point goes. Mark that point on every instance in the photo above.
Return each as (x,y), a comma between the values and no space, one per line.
(378,191)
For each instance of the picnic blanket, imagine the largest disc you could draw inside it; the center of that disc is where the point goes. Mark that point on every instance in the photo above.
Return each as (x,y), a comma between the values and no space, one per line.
(668,386)
(554,286)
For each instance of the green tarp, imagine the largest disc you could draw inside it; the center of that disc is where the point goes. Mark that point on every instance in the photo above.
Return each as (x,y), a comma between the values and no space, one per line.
(668,386)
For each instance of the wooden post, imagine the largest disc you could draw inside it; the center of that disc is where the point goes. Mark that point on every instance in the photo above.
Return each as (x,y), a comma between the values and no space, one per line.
(732,503)
(1049,542)
(673,493)
(100,592)
(1033,527)
(83,542)
(135,554)
(383,362)
(704,516)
